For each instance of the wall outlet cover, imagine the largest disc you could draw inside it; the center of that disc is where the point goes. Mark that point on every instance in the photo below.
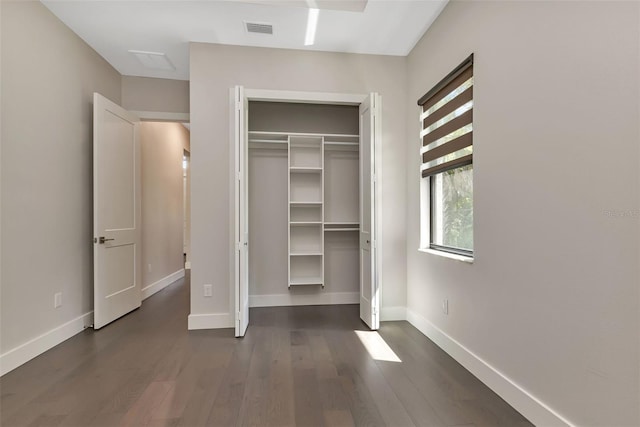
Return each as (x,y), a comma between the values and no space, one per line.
(208,290)
(57,300)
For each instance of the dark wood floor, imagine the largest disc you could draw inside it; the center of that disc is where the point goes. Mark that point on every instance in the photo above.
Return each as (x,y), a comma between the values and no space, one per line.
(300,366)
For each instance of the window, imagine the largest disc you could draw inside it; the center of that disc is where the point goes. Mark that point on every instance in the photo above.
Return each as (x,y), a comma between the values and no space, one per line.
(447,163)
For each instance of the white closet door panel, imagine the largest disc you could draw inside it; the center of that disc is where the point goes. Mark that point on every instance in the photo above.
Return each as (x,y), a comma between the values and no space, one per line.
(369,135)
(240,129)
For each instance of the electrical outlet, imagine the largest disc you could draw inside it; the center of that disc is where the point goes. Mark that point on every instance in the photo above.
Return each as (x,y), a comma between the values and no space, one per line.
(149,268)
(57,300)
(208,290)
(445,306)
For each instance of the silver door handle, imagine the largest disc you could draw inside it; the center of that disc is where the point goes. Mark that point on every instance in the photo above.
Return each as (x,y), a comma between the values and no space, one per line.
(102,240)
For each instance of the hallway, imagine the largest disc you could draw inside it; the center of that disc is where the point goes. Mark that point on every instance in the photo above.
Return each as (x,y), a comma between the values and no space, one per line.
(300,366)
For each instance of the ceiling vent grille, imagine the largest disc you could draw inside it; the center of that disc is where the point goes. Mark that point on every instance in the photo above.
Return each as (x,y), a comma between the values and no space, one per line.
(153,60)
(258,28)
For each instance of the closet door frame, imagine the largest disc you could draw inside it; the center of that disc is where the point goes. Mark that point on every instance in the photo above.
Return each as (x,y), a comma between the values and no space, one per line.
(293,97)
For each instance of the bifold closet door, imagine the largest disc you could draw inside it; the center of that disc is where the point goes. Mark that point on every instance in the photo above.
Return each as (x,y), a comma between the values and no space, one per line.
(241,232)
(369,134)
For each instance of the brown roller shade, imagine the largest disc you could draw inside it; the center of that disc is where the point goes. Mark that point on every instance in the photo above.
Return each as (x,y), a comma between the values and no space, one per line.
(448,148)
(457,124)
(457,163)
(445,90)
(449,107)
(447,128)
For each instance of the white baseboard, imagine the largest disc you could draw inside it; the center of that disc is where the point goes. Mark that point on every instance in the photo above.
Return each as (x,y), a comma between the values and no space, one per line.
(277,300)
(388,314)
(210,321)
(151,289)
(187,265)
(528,405)
(35,347)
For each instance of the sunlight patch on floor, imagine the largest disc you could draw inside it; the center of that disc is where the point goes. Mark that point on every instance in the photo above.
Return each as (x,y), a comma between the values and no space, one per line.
(376,346)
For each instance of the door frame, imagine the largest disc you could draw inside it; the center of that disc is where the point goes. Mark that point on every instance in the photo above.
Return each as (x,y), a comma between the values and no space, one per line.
(297,97)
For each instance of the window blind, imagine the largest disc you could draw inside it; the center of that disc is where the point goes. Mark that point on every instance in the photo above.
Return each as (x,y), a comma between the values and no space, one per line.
(447,122)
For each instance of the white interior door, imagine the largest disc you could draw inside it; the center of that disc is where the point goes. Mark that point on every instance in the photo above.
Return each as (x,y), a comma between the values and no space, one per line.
(369,277)
(116,212)
(240,129)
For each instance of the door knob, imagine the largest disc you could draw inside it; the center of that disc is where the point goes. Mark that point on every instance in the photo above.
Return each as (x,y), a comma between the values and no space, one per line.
(102,240)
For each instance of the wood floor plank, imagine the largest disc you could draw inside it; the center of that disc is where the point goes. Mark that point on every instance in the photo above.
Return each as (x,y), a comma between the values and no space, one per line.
(280,405)
(141,413)
(225,410)
(296,366)
(338,418)
(390,407)
(308,411)
(361,403)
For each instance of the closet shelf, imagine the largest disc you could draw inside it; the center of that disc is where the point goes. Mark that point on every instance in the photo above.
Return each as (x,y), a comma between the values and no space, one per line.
(267,141)
(305,253)
(326,135)
(305,204)
(341,143)
(298,169)
(302,223)
(343,229)
(303,281)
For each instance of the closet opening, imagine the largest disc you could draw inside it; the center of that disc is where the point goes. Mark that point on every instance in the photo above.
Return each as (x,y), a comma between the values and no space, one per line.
(305,203)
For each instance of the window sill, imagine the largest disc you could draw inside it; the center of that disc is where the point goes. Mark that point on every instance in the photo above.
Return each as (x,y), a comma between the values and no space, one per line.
(462,258)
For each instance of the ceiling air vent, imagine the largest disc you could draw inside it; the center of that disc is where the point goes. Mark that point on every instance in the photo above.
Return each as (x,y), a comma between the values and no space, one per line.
(258,27)
(153,60)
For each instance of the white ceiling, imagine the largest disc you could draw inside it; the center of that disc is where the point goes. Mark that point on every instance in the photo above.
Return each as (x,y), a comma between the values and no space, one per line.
(113,27)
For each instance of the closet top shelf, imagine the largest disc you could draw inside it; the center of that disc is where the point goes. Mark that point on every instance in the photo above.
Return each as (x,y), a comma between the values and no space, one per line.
(285,134)
(279,140)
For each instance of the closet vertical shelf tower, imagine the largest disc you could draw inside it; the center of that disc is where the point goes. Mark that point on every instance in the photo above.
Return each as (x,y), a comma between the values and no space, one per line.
(306,210)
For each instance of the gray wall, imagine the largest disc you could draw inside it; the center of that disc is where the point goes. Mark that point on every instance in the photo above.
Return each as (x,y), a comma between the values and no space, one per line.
(149,94)
(48,78)
(162,146)
(217,68)
(551,300)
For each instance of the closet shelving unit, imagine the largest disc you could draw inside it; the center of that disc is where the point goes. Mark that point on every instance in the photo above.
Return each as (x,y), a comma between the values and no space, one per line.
(306,189)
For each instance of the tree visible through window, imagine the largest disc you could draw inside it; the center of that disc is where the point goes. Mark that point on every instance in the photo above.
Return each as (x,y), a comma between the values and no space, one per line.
(452,214)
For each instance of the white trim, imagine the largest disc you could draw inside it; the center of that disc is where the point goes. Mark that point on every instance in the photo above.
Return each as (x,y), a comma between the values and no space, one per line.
(304,97)
(158,116)
(324,298)
(290,97)
(390,314)
(187,265)
(524,402)
(151,289)
(462,258)
(35,347)
(210,321)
